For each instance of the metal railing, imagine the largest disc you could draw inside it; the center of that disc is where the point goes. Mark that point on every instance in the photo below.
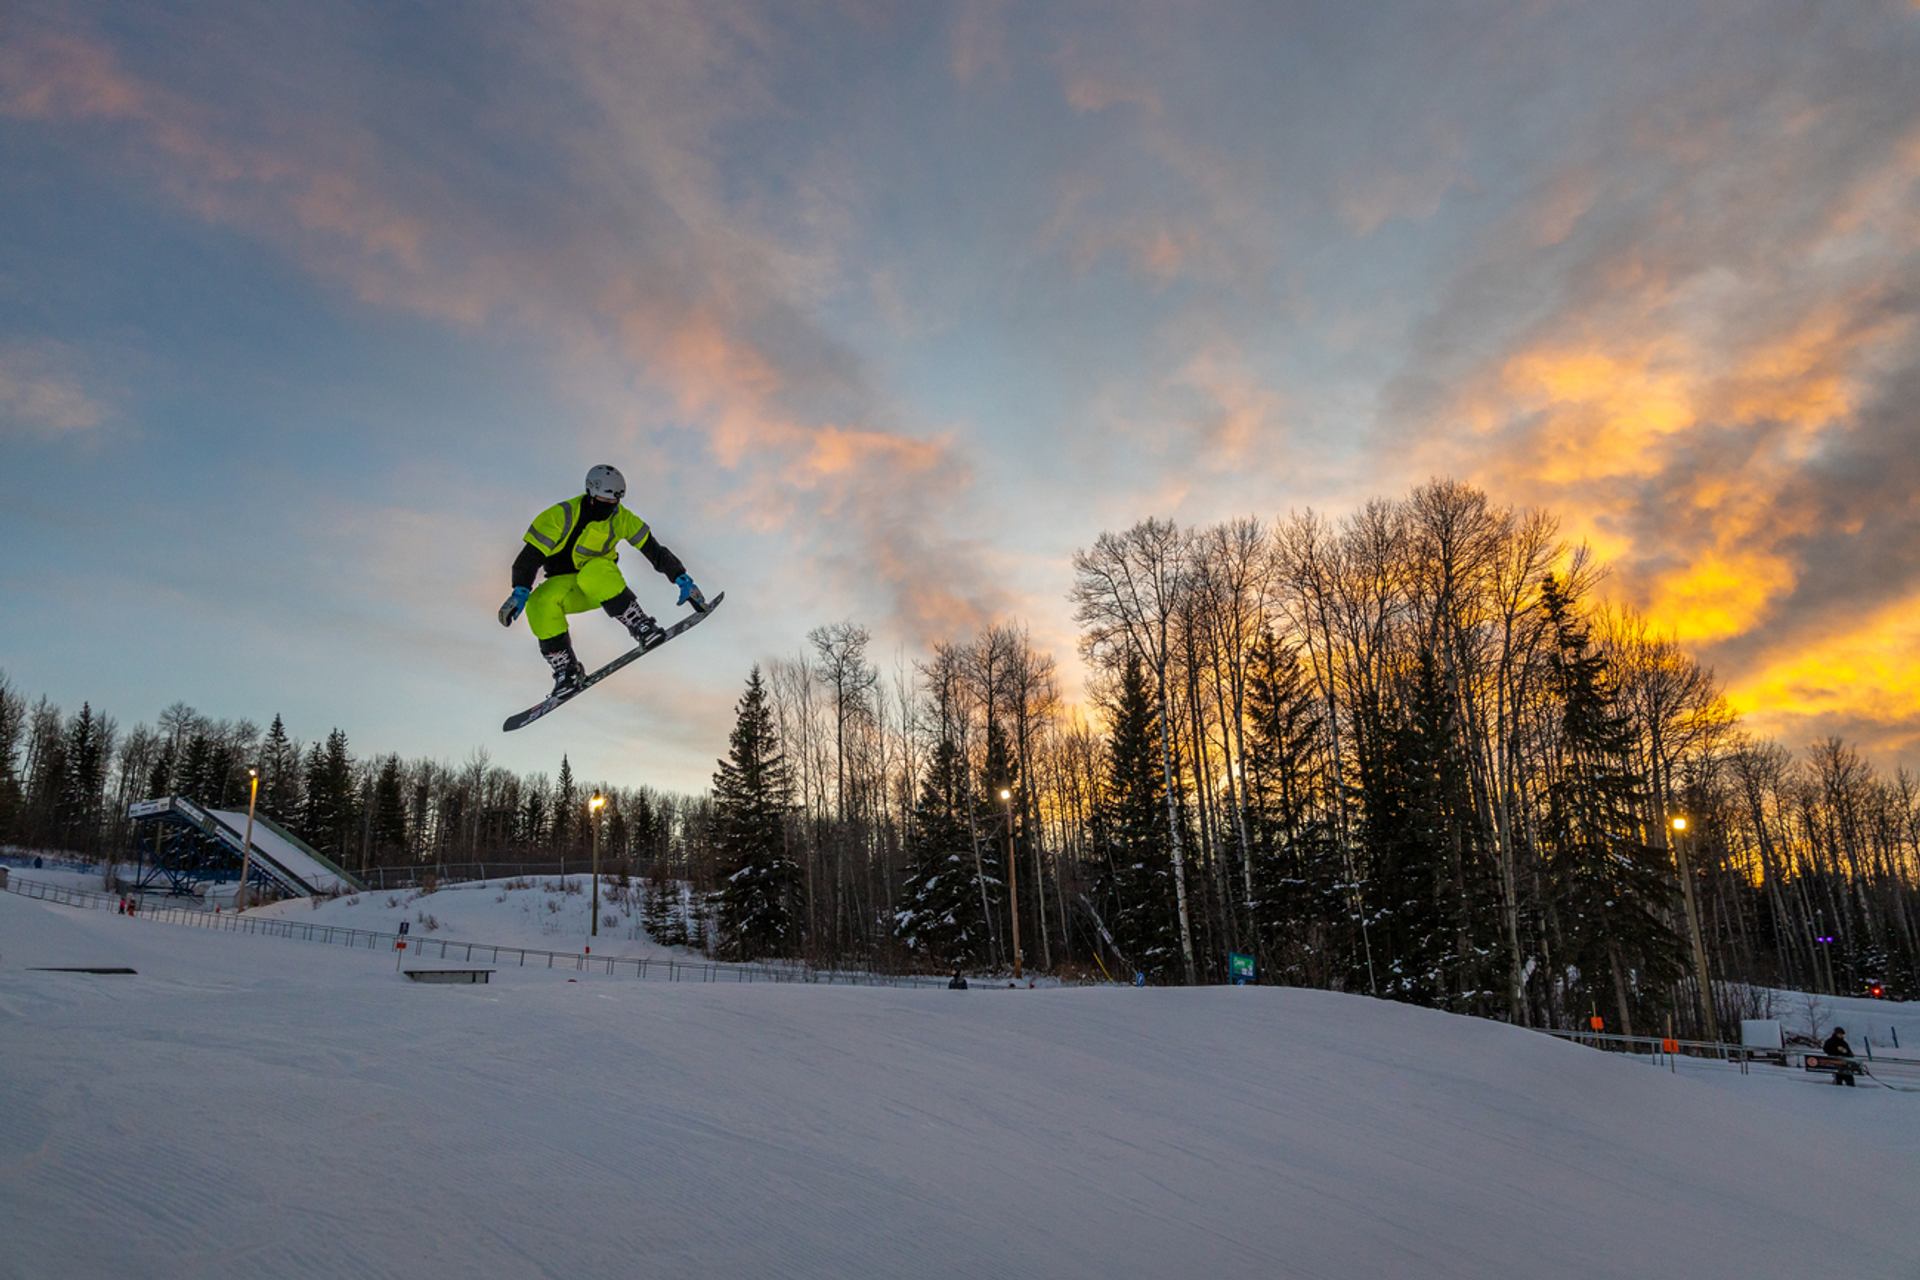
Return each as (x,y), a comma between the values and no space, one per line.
(1895,1072)
(410,876)
(1656,1047)
(654,967)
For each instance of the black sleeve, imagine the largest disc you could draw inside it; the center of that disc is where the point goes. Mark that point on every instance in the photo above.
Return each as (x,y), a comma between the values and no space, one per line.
(526,565)
(662,559)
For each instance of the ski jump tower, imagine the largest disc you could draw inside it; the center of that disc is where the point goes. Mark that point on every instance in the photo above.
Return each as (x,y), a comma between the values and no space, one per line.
(183,843)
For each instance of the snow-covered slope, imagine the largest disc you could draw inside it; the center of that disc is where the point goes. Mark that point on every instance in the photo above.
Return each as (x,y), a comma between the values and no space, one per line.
(1891,1028)
(547,913)
(248,1106)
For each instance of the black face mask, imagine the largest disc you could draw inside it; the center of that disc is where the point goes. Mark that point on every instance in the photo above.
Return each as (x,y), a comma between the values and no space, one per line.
(597,509)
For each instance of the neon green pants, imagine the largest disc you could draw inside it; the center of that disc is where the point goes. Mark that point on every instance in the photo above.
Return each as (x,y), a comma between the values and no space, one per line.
(554,599)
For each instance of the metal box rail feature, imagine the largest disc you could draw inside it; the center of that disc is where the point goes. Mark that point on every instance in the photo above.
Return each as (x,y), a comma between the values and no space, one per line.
(452,976)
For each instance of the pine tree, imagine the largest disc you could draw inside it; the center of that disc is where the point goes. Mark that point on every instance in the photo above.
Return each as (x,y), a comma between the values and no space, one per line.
(1136,886)
(644,826)
(197,768)
(13,717)
(940,918)
(46,774)
(565,797)
(329,811)
(1612,891)
(658,903)
(618,848)
(531,820)
(280,775)
(1302,915)
(84,774)
(751,795)
(389,814)
(1405,830)
(998,772)
(160,777)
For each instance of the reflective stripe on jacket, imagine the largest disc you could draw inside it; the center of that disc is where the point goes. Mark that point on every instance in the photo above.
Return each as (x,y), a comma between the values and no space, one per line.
(553,529)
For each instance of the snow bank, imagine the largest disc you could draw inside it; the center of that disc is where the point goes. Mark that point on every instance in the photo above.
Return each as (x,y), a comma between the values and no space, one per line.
(1869,1022)
(546,913)
(248,1106)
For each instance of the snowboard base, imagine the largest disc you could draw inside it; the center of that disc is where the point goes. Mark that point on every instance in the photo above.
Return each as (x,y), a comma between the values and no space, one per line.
(527,717)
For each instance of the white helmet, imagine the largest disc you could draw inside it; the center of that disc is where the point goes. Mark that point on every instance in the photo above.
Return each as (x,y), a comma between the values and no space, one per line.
(606,483)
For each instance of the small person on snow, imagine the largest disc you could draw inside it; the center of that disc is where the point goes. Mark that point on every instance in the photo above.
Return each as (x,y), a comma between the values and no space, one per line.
(959,983)
(1837,1047)
(577,543)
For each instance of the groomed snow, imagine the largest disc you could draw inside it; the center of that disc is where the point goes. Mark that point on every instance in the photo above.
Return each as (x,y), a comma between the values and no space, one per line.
(1876,1023)
(248,1106)
(546,913)
(290,857)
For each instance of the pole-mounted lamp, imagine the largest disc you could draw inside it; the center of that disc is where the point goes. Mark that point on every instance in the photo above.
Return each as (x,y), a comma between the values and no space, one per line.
(594,806)
(246,846)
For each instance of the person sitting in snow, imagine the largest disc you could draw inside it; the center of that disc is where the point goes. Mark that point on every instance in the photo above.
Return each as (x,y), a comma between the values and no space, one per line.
(1837,1047)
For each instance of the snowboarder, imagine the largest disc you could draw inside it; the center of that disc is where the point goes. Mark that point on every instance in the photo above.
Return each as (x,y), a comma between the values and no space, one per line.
(959,983)
(1837,1047)
(577,543)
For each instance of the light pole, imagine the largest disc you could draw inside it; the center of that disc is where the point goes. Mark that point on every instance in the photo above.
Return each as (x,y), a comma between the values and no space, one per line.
(1693,928)
(593,816)
(1013,881)
(246,846)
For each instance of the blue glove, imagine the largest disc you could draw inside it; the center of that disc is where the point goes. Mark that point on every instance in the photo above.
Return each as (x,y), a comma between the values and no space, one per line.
(515,603)
(689,592)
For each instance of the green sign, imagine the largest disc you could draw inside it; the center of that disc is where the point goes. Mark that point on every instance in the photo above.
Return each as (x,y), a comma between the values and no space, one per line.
(1240,967)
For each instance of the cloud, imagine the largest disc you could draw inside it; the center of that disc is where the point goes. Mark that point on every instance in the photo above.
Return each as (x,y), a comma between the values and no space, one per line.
(645,264)
(1089,91)
(1697,339)
(1658,273)
(53,75)
(1368,199)
(1860,682)
(1240,416)
(43,394)
(1155,188)
(977,43)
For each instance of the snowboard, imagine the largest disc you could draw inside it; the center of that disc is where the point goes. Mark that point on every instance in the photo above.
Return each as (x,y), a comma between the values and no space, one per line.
(533,713)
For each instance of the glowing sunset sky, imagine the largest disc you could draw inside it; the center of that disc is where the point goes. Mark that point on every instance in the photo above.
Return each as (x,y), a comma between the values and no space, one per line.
(884,309)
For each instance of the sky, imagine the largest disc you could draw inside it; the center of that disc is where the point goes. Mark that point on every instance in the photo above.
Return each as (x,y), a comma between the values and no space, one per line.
(885,309)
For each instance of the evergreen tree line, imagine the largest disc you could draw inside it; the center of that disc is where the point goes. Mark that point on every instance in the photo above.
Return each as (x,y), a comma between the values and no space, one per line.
(66,781)
(1410,752)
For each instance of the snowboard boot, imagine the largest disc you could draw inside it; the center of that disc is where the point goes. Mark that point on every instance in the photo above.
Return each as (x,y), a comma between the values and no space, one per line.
(569,675)
(639,624)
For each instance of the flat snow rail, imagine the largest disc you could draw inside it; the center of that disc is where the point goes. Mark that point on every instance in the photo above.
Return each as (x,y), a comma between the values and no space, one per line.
(419,948)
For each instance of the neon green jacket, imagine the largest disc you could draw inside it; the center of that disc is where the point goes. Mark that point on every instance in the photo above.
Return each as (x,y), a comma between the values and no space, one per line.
(560,542)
